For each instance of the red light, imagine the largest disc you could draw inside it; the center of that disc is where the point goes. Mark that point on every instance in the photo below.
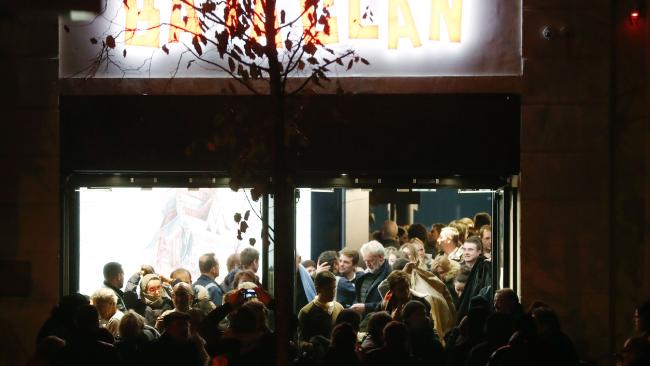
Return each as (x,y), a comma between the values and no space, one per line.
(634,17)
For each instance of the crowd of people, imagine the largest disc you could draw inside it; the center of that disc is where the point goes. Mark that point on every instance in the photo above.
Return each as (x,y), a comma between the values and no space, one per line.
(410,295)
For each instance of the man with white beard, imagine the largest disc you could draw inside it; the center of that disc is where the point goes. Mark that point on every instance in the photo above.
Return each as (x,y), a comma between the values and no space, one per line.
(377,269)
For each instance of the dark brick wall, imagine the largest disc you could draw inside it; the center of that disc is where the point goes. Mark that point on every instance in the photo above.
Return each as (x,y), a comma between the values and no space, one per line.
(566,166)
(29,203)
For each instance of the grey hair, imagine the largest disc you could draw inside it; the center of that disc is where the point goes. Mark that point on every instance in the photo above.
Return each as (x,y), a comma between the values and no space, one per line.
(104,296)
(373,247)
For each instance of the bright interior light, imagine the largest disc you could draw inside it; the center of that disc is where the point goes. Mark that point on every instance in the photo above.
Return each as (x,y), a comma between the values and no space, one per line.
(303,224)
(82,16)
(167,228)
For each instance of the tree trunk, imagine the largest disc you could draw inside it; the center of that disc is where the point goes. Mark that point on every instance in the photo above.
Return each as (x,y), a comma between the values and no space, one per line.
(284,202)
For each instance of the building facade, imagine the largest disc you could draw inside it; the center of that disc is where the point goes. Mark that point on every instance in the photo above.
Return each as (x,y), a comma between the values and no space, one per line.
(584,162)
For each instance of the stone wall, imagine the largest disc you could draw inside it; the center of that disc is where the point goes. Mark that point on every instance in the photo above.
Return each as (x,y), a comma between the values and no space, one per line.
(565,167)
(29,204)
(630,176)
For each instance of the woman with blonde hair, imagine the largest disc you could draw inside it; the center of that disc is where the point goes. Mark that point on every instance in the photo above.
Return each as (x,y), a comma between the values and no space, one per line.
(446,270)
(410,250)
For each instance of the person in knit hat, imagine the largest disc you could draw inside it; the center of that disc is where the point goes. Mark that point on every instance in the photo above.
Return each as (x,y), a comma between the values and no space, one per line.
(154,297)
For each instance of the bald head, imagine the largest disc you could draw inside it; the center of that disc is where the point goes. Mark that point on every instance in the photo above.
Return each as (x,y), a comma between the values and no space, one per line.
(183,296)
(389,230)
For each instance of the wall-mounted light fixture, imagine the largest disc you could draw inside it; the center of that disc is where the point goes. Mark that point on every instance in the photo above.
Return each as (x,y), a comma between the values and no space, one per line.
(634,17)
(635,11)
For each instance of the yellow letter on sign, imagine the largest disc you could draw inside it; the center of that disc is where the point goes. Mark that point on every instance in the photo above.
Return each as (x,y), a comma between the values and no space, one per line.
(258,20)
(149,34)
(452,16)
(333,37)
(356,29)
(396,31)
(179,24)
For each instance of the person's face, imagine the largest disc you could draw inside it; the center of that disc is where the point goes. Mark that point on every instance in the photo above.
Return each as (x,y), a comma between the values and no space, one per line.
(404,238)
(335,266)
(215,270)
(255,265)
(446,244)
(154,288)
(470,252)
(345,265)
(459,287)
(310,269)
(119,280)
(420,249)
(392,258)
(106,311)
(501,304)
(182,299)
(486,238)
(434,233)
(440,271)
(373,261)
(401,292)
(408,253)
(179,330)
(326,293)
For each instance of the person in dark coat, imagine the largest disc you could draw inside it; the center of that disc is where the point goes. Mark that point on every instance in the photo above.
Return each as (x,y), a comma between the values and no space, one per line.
(154,297)
(479,282)
(368,297)
(395,350)
(342,347)
(61,321)
(374,339)
(174,346)
(425,343)
(557,348)
(248,340)
(86,345)
(114,280)
(498,330)
(135,338)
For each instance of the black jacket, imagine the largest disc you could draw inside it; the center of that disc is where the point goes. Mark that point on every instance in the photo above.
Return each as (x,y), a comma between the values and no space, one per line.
(479,283)
(373,299)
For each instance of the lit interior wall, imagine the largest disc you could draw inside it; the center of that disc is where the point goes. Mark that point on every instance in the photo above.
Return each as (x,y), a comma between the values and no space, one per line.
(167,228)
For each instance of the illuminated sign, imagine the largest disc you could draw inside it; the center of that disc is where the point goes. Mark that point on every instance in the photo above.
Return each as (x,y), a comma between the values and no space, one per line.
(398,37)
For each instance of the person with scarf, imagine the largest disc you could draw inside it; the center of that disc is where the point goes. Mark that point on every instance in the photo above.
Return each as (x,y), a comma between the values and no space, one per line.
(155,298)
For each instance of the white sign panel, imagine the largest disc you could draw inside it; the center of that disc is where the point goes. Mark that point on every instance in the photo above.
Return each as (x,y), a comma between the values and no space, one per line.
(399,38)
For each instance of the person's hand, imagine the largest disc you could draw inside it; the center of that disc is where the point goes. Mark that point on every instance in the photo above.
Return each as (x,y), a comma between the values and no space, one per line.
(408,268)
(234,298)
(323,267)
(263,296)
(359,308)
(165,279)
(146,269)
(397,313)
